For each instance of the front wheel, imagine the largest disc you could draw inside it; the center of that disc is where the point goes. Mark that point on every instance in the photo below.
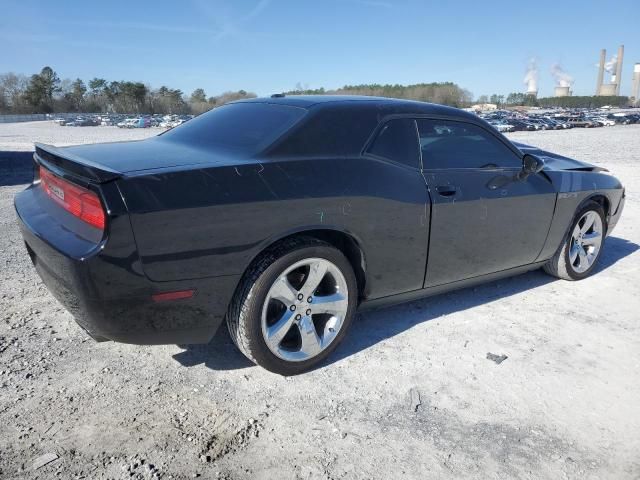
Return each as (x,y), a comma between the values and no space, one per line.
(293,306)
(579,253)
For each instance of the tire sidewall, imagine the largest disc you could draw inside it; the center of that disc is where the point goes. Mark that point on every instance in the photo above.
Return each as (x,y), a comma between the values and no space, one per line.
(588,207)
(258,293)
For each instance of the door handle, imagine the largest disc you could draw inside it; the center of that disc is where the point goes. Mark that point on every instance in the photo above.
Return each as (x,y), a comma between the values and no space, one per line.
(447,190)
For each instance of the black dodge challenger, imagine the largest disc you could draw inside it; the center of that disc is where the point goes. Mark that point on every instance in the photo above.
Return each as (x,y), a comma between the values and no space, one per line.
(286,215)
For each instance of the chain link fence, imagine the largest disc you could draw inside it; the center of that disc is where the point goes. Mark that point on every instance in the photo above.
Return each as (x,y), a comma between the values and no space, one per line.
(23,118)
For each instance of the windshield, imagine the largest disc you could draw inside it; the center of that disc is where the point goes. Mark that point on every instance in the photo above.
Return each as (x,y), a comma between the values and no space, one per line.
(240,127)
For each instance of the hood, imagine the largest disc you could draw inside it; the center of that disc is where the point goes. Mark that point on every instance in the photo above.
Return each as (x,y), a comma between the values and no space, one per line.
(554,161)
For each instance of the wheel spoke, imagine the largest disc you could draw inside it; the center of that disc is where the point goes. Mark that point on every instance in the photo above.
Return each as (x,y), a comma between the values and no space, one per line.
(317,271)
(589,218)
(573,253)
(584,261)
(576,232)
(277,331)
(283,291)
(310,340)
(591,238)
(336,303)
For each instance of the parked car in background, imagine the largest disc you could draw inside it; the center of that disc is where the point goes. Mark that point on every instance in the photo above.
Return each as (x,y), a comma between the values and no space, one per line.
(619,118)
(128,123)
(580,122)
(143,122)
(521,125)
(606,122)
(502,126)
(562,125)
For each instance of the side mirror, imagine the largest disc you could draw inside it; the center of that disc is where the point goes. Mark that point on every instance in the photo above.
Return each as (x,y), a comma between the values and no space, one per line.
(530,166)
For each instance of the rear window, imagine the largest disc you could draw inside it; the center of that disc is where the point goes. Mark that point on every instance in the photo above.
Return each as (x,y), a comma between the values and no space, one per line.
(241,127)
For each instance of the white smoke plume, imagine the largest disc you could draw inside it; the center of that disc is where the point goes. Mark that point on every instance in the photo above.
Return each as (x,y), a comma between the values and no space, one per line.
(563,79)
(611,65)
(531,77)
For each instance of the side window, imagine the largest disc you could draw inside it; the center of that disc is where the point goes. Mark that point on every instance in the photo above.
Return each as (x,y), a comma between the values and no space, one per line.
(450,144)
(398,141)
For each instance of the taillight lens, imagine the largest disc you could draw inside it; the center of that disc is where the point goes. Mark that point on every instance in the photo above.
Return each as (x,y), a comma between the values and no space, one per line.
(78,201)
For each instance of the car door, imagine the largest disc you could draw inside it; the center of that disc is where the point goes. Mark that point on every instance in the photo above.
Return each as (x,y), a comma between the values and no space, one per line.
(484,218)
(397,233)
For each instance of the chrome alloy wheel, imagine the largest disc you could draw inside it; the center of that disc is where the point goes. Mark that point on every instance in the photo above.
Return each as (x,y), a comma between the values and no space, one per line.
(304,309)
(586,240)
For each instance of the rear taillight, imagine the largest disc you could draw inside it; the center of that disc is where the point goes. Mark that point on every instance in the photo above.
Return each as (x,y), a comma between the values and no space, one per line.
(78,201)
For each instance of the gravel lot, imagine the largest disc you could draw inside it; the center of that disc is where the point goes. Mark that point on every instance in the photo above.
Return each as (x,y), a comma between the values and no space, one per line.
(20,136)
(410,394)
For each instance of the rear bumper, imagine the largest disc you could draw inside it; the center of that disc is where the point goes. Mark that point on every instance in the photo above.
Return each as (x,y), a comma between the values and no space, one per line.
(111,298)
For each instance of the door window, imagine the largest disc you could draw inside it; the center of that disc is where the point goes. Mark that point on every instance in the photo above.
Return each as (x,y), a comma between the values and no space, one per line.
(450,144)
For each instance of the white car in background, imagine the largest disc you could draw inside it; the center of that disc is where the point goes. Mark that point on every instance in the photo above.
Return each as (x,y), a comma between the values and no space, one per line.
(607,122)
(502,127)
(128,123)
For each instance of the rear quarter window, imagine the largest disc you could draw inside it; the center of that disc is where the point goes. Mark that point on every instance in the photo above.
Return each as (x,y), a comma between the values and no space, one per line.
(397,140)
(331,130)
(246,128)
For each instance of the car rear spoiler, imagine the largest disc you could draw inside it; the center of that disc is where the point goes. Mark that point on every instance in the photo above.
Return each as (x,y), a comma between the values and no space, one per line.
(74,164)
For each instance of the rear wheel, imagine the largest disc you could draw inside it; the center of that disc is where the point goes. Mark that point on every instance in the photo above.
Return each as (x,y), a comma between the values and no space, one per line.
(293,306)
(579,253)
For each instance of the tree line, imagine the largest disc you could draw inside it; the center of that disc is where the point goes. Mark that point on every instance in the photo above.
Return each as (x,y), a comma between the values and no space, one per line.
(444,93)
(45,92)
(584,101)
(526,100)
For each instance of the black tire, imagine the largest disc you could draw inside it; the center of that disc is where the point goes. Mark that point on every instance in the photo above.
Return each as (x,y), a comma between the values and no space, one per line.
(559,265)
(245,310)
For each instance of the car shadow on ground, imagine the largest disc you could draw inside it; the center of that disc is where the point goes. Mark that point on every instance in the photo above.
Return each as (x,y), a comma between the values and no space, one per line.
(371,328)
(16,168)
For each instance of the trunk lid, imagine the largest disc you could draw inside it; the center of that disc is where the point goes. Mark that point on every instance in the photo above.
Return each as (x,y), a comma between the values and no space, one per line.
(60,159)
(122,158)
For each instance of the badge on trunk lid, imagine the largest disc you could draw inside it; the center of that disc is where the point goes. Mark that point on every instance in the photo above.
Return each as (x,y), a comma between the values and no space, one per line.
(57,191)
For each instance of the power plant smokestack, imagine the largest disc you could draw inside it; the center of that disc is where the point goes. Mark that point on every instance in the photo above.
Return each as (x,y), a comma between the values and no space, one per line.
(619,69)
(614,68)
(531,78)
(635,91)
(603,58)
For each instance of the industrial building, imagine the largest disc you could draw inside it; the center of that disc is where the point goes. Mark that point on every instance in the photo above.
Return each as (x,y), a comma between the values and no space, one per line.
(564,81)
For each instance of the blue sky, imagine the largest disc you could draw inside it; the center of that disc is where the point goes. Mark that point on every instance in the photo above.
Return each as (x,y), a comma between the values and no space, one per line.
(269,46)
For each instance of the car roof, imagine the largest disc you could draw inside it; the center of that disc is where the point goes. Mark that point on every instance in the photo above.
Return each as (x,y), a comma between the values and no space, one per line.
(392,105)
